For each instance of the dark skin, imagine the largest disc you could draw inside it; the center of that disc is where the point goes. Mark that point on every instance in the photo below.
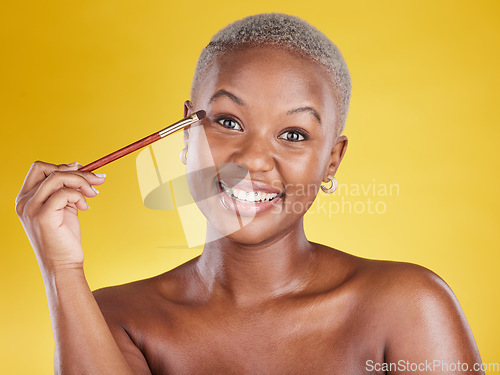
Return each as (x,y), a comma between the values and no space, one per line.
(262,299)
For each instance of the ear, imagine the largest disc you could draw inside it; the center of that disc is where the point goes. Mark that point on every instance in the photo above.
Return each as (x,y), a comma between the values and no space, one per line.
(336,156)
(188,109)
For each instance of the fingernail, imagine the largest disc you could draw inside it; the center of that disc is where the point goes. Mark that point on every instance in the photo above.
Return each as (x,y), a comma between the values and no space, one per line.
(93,188)
(72,164)
(100,175)
(88,207)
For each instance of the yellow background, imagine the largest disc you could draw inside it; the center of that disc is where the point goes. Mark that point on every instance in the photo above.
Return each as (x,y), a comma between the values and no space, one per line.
(81,79)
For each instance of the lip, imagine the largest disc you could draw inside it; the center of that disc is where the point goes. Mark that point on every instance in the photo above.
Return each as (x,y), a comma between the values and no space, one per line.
(251,186)
(251,209)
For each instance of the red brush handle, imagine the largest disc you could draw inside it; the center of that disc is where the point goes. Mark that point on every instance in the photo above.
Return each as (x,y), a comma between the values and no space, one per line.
(121,152)
(197,116)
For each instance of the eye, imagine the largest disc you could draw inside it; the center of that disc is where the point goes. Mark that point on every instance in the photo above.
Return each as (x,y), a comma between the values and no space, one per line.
(294,135)
(229,123)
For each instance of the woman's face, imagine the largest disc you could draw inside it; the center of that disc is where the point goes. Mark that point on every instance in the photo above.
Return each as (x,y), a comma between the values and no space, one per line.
(255,163)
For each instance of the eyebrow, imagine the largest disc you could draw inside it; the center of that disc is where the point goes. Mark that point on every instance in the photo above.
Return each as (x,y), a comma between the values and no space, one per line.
(311,110)
(227,94)
(238,101)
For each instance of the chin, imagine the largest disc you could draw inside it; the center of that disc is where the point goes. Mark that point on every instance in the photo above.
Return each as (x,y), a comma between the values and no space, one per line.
(252,235)
(260,230)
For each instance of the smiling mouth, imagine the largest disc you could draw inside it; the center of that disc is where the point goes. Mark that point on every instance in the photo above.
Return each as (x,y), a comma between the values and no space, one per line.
(248,196)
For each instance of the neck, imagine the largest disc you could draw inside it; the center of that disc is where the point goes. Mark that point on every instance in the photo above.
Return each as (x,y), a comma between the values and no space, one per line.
(251,272)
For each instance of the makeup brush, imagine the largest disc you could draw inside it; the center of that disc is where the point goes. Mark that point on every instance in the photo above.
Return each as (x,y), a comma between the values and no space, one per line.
(144,141)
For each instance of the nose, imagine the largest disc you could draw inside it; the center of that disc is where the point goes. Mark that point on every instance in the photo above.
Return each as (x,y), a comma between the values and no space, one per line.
(255,153)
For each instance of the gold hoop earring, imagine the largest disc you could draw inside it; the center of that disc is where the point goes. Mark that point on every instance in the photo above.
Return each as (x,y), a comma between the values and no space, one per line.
(332,188)
(184,154)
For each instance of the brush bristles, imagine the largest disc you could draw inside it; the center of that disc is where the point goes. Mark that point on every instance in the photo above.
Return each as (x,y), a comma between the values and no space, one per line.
(201,114)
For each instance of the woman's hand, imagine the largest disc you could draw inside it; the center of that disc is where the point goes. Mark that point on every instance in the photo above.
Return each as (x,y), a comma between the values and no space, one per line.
(48,205)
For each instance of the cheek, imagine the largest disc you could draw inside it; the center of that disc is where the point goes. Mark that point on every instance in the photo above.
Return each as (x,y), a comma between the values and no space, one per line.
(302,170)
(302,190)
(200,166)
(302,185)
(199,151)
(212,146)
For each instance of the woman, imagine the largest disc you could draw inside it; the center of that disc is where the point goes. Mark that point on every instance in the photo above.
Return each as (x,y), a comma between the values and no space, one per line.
(261,299)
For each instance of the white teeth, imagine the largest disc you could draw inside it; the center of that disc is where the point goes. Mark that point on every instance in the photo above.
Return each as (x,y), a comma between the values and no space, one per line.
(257,196)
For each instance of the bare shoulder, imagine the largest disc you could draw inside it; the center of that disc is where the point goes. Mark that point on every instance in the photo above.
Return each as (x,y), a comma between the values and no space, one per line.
(126,301)
(410,306)
(136,311)
(405,284)
(424,319)
(121,297)
(391,283)
(409,293)
(396,279)
(420,315)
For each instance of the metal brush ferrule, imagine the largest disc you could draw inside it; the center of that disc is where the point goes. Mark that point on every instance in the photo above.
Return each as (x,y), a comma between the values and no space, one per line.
(179,125)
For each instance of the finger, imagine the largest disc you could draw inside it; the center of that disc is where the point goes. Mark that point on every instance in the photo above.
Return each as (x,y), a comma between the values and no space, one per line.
(95,179)
(92,178)
(69,167)
(36,175)
(58,180)
(39,171)
(62,198)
